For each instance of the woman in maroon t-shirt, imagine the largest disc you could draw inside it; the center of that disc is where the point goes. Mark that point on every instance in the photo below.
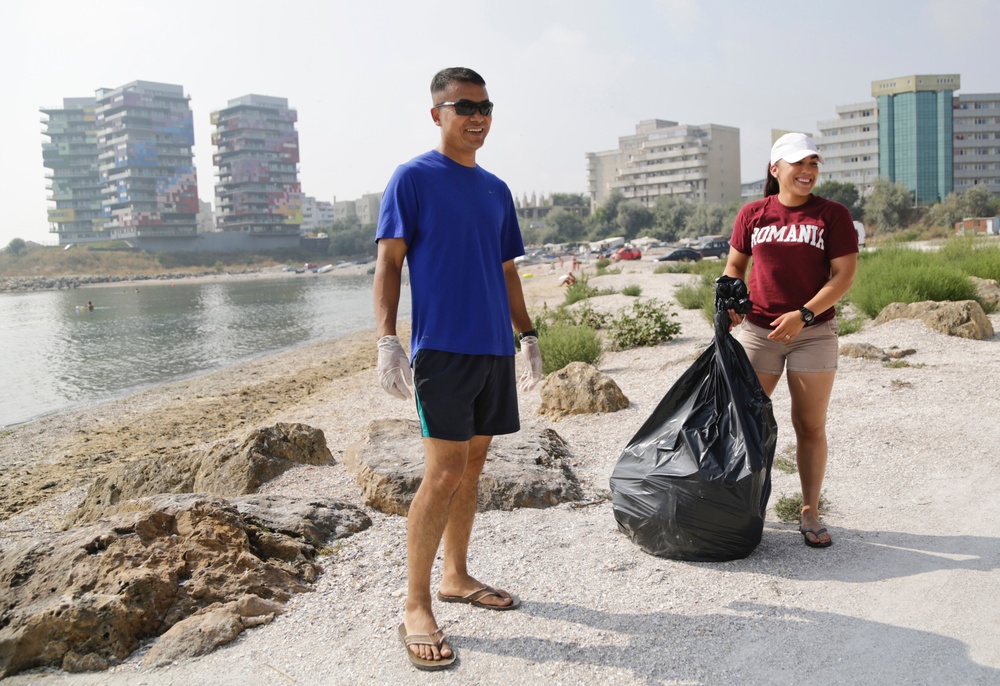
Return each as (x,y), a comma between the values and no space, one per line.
(805,252)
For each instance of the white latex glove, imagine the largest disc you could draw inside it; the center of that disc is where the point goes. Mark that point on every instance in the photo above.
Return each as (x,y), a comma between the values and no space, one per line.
(393,368)
(533,356)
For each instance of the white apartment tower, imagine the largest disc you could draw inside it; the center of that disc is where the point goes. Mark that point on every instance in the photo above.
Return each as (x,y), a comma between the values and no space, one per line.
(663,158)
(976,141)
(849,145)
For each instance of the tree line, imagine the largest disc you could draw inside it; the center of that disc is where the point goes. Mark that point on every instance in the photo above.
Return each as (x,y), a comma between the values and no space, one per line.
(889,208)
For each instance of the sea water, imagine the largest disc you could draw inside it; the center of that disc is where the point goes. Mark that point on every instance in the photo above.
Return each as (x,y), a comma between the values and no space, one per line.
(56,353)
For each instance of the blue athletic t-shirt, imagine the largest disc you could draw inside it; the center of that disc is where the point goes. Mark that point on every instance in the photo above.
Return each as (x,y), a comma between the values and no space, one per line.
(460,226)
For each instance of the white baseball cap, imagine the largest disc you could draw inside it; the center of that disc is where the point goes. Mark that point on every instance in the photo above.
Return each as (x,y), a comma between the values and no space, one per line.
(793,147)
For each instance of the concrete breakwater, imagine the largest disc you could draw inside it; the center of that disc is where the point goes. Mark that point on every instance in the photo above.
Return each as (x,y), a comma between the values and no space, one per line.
(20,284)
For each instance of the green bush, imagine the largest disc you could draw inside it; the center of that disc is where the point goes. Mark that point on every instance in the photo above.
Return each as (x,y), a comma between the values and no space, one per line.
(849,322)
(673,268)
(632,290)
(586,315)
(710,268)
(579,291)
(582,315)
(565,343)
(647,323)
(693,296)
(893,274)
(972,257)
(602,263)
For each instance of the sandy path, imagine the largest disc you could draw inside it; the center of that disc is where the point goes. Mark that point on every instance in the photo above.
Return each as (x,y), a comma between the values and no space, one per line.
(906,595)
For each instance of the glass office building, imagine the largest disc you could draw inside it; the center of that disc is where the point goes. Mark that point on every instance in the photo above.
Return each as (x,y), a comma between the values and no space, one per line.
(915,133)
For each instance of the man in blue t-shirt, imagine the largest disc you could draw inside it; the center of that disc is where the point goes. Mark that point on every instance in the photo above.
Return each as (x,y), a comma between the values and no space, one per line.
(454,224)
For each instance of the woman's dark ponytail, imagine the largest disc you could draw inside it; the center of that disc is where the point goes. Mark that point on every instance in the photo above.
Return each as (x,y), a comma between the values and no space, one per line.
(771,183)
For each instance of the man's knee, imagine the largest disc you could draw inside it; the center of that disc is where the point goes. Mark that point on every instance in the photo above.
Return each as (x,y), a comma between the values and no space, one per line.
(443,478)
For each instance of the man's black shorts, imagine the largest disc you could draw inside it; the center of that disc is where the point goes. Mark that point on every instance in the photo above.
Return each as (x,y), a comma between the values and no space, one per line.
(461,396)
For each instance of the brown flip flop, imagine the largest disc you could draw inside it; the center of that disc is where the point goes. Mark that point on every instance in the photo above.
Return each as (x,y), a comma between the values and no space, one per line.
(436,639)
(476,599)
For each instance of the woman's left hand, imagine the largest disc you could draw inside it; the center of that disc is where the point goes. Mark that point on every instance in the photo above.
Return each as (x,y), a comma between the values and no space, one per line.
(786,327)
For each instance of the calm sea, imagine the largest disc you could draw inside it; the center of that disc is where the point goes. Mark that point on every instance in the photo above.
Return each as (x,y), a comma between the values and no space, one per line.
(56,354)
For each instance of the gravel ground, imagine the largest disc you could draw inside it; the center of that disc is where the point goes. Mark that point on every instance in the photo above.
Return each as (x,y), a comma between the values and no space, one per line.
(906,595)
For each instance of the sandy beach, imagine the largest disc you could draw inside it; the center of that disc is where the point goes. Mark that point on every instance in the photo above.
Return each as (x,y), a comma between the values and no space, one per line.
(907,594)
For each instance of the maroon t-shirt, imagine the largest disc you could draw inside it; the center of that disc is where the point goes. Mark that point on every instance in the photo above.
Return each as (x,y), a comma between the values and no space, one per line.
(791,248)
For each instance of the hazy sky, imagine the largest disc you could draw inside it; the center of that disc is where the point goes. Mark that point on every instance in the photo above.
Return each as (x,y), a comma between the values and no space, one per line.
(567,76)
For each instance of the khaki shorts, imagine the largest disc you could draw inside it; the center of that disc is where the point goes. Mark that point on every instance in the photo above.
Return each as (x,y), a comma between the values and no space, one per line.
(815,349)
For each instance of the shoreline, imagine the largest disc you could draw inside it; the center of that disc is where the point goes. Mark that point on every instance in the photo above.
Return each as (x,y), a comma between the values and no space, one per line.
(29,284)
(909,482)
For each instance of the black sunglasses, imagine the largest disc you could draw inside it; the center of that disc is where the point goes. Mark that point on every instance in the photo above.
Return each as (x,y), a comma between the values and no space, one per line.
(465,108)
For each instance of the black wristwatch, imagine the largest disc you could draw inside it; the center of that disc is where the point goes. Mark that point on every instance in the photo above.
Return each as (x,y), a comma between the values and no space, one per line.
(529,332)
(807,315)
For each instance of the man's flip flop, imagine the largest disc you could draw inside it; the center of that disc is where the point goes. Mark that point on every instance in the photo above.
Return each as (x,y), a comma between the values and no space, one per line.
(435,639)
(476,599)
(817,533)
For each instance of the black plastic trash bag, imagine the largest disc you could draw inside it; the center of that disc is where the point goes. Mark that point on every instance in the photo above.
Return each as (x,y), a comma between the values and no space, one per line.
(693,483)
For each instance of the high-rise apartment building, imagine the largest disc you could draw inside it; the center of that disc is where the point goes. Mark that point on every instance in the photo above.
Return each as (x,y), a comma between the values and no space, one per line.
(317,215)
(915,133)
(367,207)
(663,158)
(849,145)
(74,183)
(145,135)
(257,190)
(976,126)
(924,120)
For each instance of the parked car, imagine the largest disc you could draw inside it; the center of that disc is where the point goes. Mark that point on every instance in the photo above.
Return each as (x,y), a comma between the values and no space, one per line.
(627,253)
(715,249)
(680,255)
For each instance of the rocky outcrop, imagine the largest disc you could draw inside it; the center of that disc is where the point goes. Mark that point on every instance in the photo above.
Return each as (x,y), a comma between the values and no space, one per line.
(216,625)
(580,388)
(963,318)
(197,567)
(522,470)
(227,468)
(528,469)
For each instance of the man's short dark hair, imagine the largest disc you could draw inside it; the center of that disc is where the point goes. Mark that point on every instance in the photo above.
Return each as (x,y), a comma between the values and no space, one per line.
(461,74)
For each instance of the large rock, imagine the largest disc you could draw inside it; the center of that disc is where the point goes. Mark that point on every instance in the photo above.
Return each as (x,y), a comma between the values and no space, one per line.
(83,599)
(227,468)
(528,469)
(580,388)
(216,625)
(522,470)
(867,351)
(963,318)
